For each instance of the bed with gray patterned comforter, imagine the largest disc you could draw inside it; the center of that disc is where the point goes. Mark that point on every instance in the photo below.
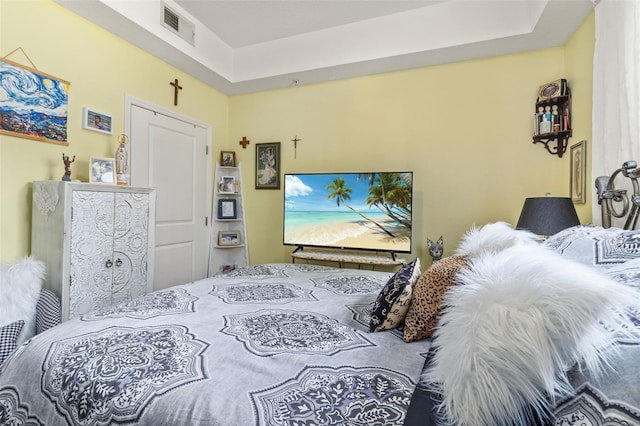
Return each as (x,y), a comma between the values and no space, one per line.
(266,345)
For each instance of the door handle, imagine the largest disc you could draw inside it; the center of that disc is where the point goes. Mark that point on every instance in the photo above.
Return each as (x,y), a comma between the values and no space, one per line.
(118,262)
(108,263)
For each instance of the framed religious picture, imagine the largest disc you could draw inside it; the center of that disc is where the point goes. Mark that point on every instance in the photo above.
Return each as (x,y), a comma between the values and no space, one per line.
(101,170)
(578,172)
(227,185)
(268,165)
(227,158)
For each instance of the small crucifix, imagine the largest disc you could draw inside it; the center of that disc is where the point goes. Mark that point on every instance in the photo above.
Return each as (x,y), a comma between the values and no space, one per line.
(176,87)
(244,142)
(295,141)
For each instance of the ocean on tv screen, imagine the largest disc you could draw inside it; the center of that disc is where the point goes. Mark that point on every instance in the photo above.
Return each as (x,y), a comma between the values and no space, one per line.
(349,210)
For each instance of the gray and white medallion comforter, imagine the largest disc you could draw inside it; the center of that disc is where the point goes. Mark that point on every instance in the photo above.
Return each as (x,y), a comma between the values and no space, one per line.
(266,345)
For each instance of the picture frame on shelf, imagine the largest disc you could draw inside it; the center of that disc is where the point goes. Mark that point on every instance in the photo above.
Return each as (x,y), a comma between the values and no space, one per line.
(268,165)
(102,170)
(225,269)
(228,158)
(227,209)
(97,121)
(552,90)
(227,185)
(578,172)
(228,238)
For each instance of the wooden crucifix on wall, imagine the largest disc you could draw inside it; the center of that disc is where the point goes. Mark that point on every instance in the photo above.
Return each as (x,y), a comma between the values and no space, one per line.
(295,141)
(176,87)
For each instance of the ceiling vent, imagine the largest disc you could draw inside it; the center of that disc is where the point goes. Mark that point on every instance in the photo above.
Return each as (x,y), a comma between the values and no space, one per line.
(178,24)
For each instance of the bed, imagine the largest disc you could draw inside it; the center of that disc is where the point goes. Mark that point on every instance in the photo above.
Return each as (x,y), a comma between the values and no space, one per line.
(264,345)
(507,331)
(291,344)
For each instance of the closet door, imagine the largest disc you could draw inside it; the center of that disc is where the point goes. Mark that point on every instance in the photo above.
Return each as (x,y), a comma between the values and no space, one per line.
(91,246)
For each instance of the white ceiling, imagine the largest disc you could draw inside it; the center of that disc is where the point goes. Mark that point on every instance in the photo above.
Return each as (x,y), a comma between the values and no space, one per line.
(246,46)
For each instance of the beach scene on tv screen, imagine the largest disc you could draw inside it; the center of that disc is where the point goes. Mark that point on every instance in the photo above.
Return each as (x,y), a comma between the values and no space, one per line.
(349,210)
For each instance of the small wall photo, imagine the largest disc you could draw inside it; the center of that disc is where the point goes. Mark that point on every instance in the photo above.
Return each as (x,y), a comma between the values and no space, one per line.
(97,121)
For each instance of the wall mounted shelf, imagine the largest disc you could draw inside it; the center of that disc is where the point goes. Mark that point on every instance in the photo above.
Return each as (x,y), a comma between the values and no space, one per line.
(552,122)
(555,143)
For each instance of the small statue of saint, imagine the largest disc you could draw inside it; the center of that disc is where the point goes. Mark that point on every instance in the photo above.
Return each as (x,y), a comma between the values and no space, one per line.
(67,167)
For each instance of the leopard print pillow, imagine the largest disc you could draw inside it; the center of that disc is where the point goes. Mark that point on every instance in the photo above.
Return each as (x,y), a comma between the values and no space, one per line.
(428,292)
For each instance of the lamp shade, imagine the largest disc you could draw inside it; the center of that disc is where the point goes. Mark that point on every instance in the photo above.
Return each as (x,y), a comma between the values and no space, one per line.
(547,215)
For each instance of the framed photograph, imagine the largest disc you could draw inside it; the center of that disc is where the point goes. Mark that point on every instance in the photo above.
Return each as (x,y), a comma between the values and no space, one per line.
(229,238)
(101,170)
(578,172)
(227,209)
(268,165)
(98,121)
(552,90)
(23,109)
(227,158)
(227,184)
(225,269)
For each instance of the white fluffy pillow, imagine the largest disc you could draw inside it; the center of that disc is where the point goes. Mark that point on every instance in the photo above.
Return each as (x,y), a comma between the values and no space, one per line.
(493,237)
(20,286)
(516,322)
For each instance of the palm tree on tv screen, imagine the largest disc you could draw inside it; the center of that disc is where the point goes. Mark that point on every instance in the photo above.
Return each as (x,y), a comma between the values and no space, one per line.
(391,193)
(341,193)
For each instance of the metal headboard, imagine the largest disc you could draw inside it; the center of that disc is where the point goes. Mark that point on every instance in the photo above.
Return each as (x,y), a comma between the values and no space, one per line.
(608,195)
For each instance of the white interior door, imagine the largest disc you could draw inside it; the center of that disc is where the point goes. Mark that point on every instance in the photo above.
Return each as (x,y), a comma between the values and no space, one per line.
(171,155)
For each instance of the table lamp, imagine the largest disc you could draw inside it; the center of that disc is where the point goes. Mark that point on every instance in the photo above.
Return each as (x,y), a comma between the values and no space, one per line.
(547,215)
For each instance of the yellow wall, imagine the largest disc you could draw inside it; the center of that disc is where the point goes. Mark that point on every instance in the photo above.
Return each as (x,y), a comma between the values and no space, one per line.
(464,128)
(101,69)
(579,71)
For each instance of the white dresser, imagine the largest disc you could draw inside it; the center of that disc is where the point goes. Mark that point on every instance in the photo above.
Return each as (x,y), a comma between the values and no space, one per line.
(97,242)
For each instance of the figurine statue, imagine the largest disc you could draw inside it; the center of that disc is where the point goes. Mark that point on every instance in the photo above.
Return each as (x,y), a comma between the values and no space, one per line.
(435,249)
(67,167)
(122,161)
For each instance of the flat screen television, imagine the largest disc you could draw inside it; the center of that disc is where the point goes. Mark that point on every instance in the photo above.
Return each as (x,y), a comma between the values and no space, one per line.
(364,211)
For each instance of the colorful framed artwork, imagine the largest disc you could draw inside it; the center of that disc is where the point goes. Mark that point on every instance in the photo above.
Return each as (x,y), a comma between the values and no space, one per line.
(227,158)
(34,105)
(101,170)
(578,172)
(97,121)
(229,238)
(268,165)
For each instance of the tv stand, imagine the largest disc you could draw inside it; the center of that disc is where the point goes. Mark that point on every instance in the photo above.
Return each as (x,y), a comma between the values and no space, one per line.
(341,257)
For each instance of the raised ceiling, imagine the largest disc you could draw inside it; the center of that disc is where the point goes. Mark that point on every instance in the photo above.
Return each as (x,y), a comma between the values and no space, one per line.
(248,46)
